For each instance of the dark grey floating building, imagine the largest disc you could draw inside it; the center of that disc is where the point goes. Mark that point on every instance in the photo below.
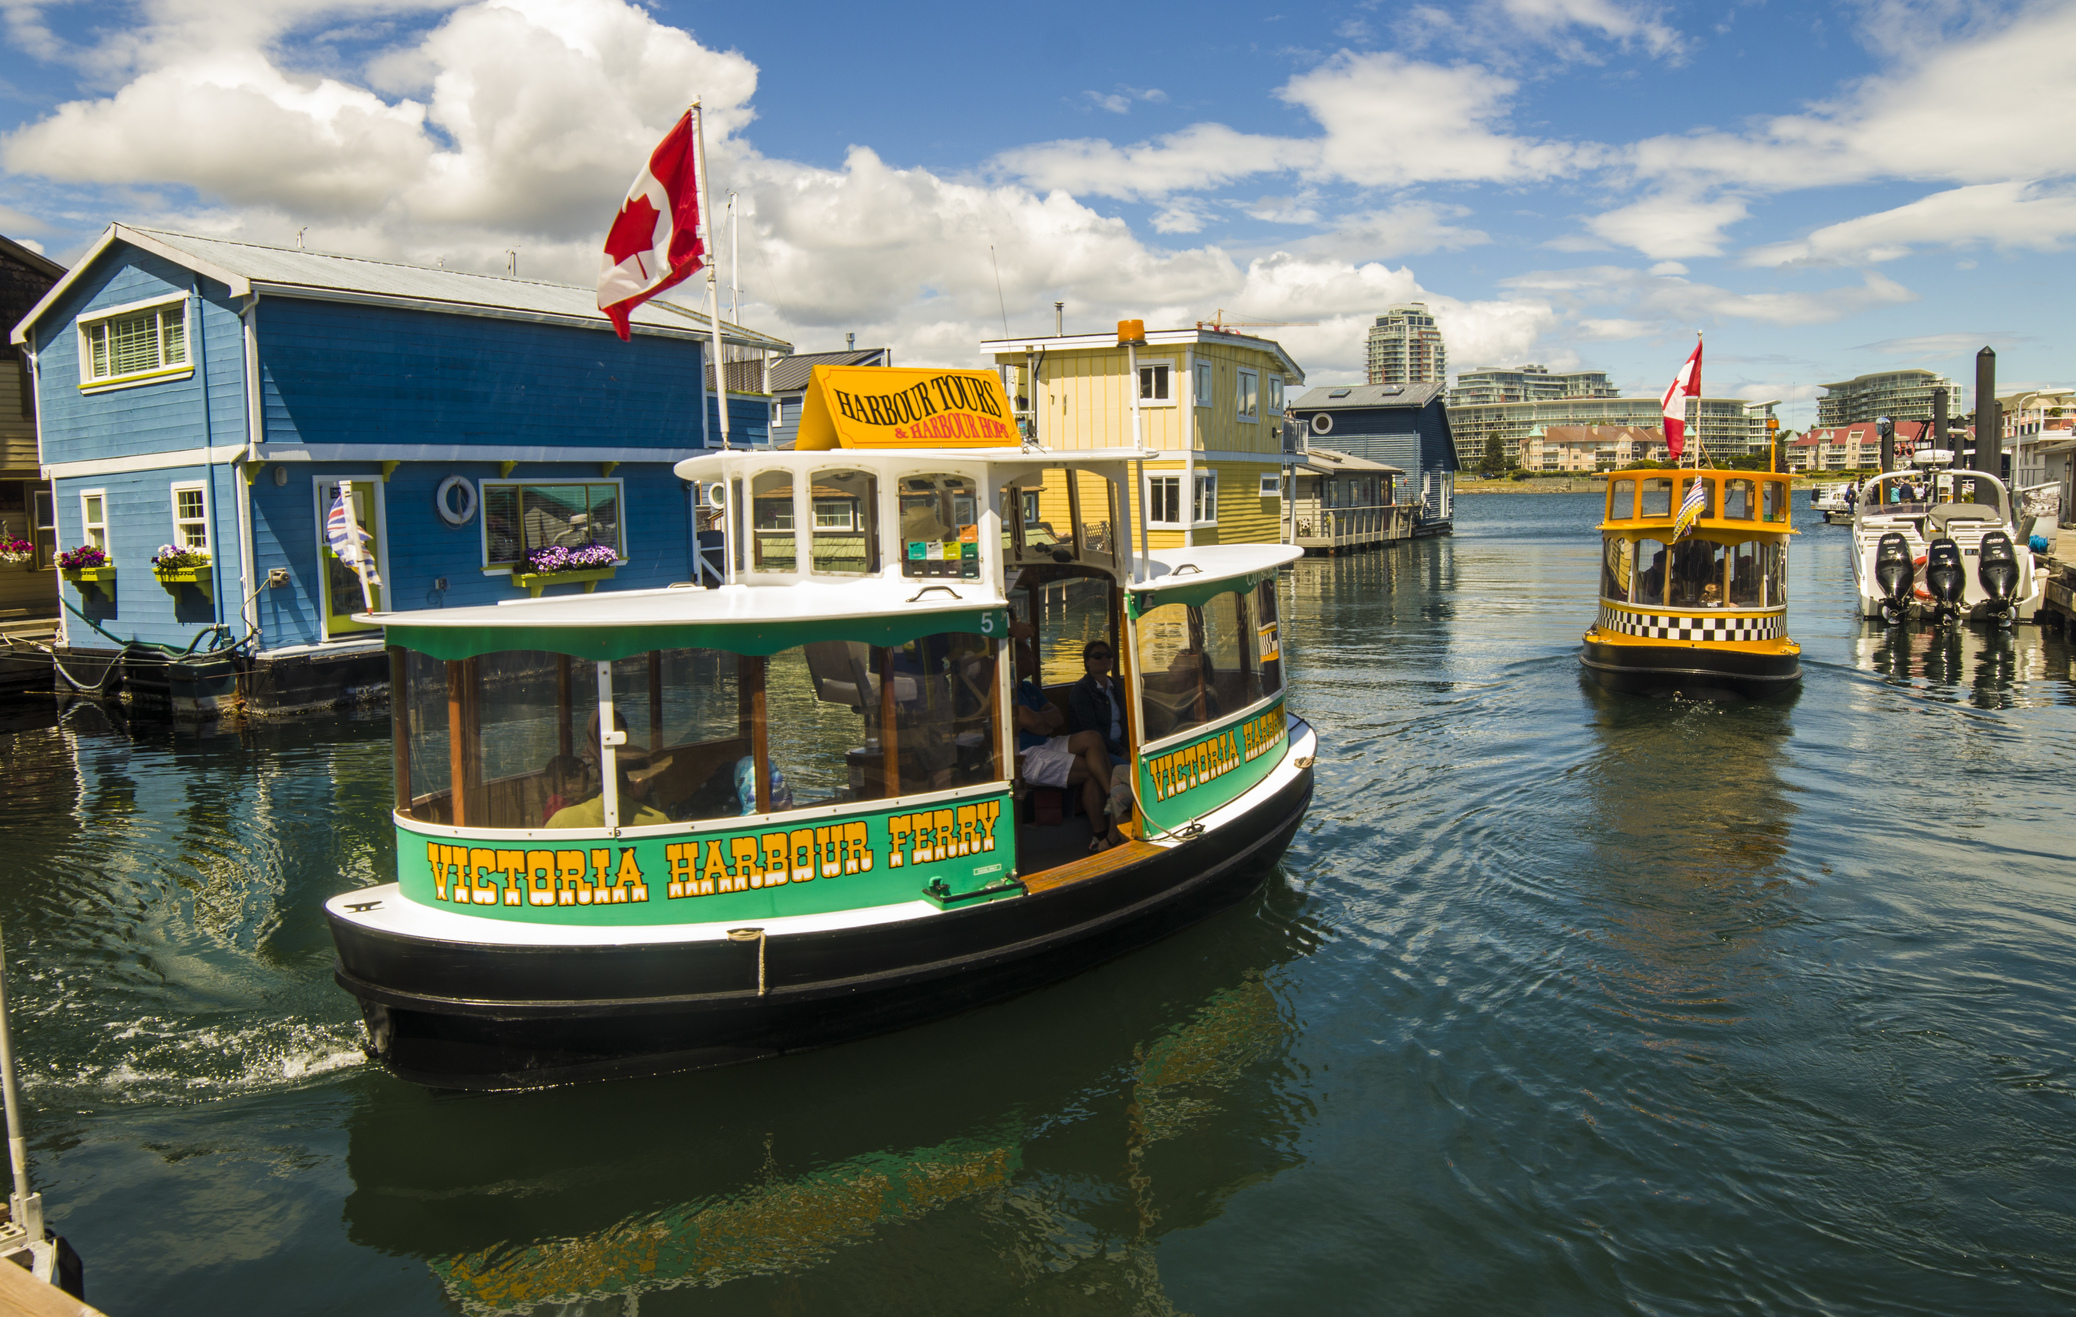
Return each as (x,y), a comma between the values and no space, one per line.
(1402,425)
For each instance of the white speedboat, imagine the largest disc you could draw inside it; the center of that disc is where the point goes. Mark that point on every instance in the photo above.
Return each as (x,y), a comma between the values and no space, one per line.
(1830,502)
(1943,545)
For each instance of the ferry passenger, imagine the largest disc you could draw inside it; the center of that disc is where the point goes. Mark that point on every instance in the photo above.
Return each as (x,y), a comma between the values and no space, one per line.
(1097,700)
(634,813)
(566,778)
(1048,758)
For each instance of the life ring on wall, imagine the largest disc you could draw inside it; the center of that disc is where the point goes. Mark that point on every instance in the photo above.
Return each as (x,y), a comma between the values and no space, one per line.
(449,513)
(1322,423)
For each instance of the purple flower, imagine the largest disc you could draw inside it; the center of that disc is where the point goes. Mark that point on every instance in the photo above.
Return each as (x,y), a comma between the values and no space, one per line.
(86,555)
(556,558)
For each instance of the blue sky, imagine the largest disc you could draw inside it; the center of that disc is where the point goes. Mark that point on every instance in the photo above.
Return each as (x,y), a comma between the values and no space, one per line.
(1823,190)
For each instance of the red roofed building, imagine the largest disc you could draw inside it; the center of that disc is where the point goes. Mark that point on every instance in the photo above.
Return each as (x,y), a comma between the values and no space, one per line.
(1591,447)
(1849,447)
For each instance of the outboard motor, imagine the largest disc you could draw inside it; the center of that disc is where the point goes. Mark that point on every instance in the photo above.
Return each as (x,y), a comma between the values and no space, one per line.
(1895,573)
(1997,569)
(1945,579)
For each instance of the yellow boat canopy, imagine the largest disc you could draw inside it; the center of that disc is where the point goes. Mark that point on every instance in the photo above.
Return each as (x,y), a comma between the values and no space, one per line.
(886,407)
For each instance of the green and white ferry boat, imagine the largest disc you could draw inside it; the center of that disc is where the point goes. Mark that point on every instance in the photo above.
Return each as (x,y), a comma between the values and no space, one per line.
(656,830)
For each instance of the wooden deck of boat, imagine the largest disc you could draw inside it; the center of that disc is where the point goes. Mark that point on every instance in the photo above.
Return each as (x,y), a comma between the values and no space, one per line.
(1093,866)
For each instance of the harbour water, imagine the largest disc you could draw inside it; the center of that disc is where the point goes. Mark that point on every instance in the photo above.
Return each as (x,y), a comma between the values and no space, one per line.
(1561,1002)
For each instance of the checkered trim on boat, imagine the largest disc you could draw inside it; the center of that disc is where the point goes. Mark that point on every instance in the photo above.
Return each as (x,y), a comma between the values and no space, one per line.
(1673,626)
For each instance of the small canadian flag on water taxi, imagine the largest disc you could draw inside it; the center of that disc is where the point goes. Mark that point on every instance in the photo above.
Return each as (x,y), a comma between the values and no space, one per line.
(654,241)
(1685,385)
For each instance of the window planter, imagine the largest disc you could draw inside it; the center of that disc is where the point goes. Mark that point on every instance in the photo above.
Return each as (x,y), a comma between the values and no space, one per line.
(534,582)
(174,577)
(90,580)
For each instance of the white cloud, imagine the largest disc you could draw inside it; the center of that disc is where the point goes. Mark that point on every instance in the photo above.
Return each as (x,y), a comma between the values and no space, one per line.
(2010,215)
(1114,102)
(1410,228)
(1389,121)
(1386,121)
(1669,302)
(1199,156)
(1623,23)
(1978,109)
(1670,226)
(1282,210)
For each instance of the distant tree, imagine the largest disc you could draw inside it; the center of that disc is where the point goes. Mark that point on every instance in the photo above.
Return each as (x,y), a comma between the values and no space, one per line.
(1495,460)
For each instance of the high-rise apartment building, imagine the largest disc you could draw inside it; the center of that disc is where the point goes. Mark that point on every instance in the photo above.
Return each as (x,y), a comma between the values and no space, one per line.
(1494,384)
(1900,395)
(1406,348)
(1725,427)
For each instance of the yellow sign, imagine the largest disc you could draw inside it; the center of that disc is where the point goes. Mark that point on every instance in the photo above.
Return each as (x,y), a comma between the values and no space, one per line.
(886,407)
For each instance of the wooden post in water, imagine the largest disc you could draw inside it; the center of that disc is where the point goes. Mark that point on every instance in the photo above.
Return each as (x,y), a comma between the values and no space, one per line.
(1989,426)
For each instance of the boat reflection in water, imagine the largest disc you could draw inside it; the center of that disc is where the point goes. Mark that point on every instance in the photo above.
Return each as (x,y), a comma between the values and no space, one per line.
(1990,669)
(965,1138)
(1692,840)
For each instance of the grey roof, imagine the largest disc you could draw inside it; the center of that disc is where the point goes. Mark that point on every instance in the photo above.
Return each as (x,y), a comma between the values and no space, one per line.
(36,261)
(1321,399)
(1334,462)
(792,374)
(285,271)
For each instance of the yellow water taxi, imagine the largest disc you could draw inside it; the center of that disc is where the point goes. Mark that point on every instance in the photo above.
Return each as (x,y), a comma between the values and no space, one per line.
(1694,585)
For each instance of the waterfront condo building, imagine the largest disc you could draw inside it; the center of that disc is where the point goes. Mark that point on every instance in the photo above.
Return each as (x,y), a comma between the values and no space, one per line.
(1493,384)
(1900,395)
(222,398)
(1210,403)
(1406,348)
(1493,435)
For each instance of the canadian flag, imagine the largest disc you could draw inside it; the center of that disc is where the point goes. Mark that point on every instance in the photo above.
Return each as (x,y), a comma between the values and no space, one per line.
(1685,385)
(654,241)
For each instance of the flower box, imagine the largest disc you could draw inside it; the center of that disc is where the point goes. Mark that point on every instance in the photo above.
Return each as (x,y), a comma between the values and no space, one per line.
(534,582)
(202,578)
(89,579)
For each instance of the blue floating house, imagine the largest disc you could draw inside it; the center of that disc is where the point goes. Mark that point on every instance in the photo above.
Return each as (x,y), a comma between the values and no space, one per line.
(1403,425)
(220,396)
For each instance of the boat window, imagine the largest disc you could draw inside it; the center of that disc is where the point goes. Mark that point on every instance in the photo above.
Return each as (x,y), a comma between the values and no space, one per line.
(1011,510)
(1615,564)
(1094,515)
(1268,646)
(1067,612)
(771,510)
(828,722)
(1773,501)
(1697,575)
(1657,497)
(1650,571)
(1745,579)
(735,535)
(1738,503)
(1048,519)
(1177,680)
(940,526)
(1621,500)
(1776,575)
(1229,651)
(845,507)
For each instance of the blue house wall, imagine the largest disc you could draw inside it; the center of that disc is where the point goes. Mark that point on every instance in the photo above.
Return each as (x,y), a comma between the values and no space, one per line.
(338,380)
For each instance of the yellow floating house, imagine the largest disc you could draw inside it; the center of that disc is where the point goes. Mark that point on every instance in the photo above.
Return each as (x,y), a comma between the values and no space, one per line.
(1210,402)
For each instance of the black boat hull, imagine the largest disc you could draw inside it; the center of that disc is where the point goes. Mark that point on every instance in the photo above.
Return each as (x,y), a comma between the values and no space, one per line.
(1700,672)
(479,1016)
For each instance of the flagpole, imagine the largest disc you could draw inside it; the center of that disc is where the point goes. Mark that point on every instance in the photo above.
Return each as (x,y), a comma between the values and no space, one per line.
(713,317)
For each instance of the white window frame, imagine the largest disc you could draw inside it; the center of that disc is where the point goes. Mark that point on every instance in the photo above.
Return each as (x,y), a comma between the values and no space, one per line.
(379,531)
(1246,382)
(1206,498)
(87,526)
(483,488)
(83,327)
(1166,479)
(1156,364)
(1203,379)
(173,493)
(1271,485)
(1272,394)
(850,514)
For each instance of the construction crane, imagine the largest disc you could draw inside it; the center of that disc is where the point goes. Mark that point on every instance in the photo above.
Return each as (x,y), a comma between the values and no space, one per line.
(1219,323)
